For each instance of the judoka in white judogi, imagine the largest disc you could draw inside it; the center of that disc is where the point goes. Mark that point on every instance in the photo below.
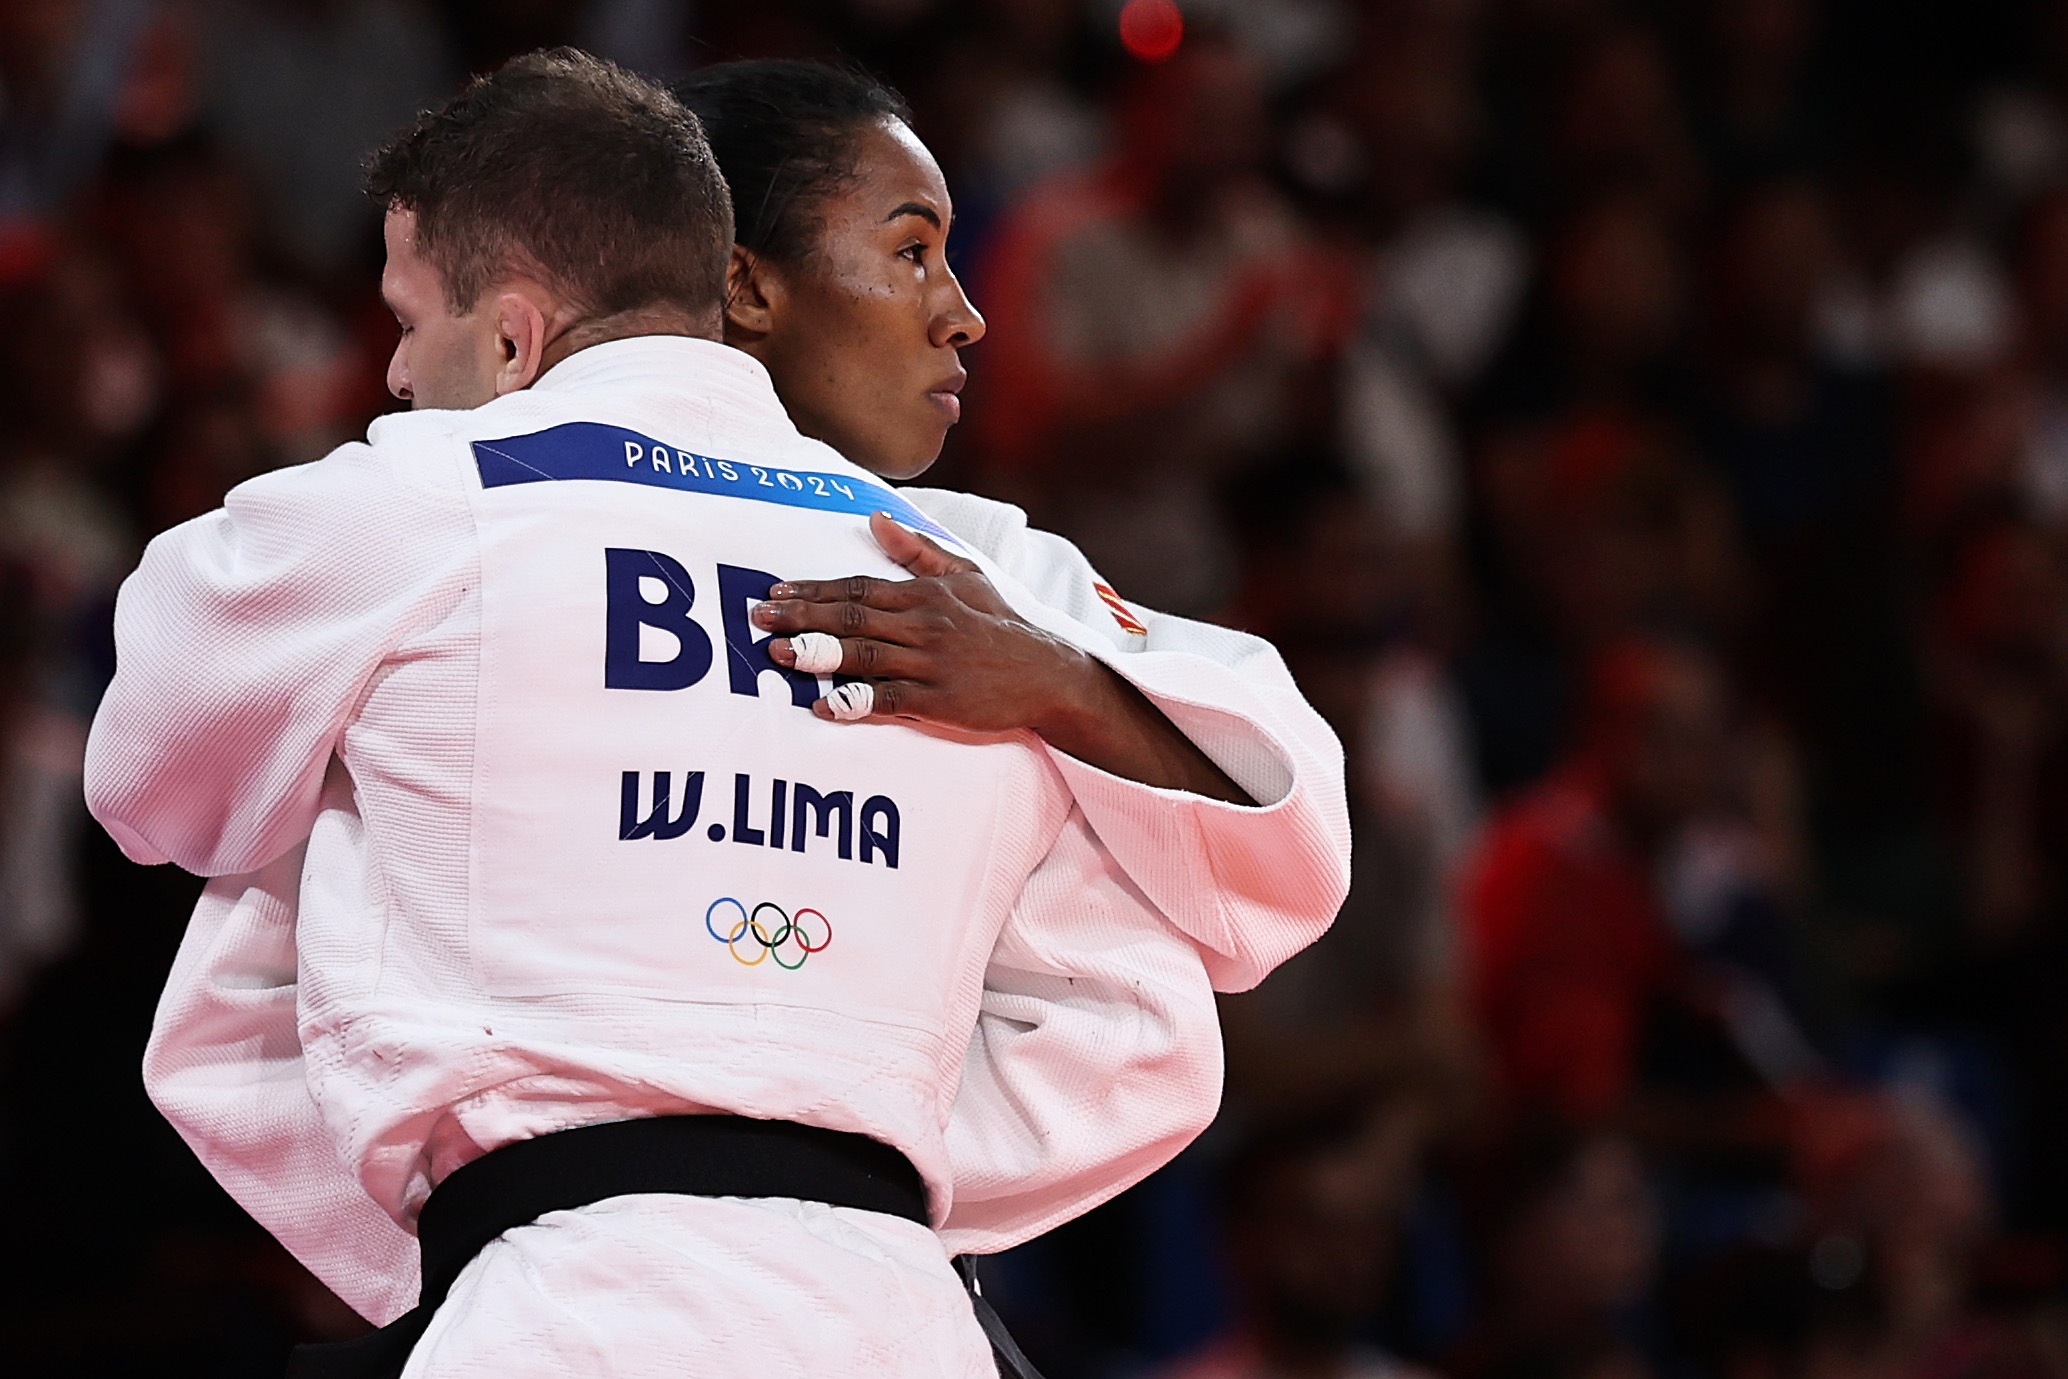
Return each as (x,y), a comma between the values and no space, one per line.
(479,701)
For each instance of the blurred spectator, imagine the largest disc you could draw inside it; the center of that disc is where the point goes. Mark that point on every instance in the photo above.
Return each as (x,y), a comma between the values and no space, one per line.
(76,382)
(298,90)
(1756,115)
(1568,932)
(1999,685)
(1005,110)
(180,221)
(1443,277)
(1571,1238)
(1149,327)
(1313,1212)
(1808,451)
(1620,126)
(2040,473)
(1910,283)
(2020,123)
(65,68)
(1594,521)
(1610,319)
(2003,740)
(1896,1218)
(1377,994)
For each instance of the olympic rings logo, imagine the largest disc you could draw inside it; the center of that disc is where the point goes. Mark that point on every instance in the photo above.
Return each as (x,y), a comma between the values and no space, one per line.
(788,933)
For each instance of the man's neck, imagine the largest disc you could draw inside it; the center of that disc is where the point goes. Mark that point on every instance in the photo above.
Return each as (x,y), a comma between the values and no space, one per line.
(625,325)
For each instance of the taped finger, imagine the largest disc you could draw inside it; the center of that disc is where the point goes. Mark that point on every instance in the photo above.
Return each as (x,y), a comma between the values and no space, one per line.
(851,701)
(818,653)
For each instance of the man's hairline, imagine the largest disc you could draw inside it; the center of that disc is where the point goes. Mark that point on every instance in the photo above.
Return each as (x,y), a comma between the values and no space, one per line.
(528,272)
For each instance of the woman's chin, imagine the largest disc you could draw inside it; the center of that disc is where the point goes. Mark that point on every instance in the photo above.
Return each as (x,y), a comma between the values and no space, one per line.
(907,461)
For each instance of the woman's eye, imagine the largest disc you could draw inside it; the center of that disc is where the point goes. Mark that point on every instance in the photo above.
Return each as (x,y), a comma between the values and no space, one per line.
(914,252)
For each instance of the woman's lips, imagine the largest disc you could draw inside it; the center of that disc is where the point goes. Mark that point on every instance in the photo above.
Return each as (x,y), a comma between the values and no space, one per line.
(946,395)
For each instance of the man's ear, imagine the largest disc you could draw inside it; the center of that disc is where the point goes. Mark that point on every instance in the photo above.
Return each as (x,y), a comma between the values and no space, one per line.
(521,337)
(753,297)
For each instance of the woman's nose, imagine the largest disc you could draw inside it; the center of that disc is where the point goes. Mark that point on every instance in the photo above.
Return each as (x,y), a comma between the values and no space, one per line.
(958,322)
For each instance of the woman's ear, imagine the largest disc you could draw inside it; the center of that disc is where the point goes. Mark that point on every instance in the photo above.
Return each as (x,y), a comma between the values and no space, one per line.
(753,297)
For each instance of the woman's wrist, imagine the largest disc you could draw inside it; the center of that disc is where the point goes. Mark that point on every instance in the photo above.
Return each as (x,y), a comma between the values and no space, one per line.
(1098,717)
(1081,697)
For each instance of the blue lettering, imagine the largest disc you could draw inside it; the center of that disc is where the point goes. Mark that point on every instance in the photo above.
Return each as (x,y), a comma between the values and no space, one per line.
(880,806)
(742,831)
(819,809)
(775,813)
(746,654)
(657,825)
(629,610)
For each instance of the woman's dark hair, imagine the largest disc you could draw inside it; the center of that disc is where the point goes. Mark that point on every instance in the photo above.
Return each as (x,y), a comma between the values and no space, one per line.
(783,131)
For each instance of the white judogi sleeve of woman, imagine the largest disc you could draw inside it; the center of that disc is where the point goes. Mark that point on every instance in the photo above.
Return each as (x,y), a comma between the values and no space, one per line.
(1251,885)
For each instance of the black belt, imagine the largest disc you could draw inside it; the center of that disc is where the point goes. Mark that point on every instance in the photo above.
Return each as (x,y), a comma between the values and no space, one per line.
(694,1156)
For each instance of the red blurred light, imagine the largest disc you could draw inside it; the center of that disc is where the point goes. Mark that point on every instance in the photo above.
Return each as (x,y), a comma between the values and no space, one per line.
(1151,29)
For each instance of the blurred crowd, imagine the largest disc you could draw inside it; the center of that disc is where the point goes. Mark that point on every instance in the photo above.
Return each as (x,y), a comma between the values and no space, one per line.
(1642,426)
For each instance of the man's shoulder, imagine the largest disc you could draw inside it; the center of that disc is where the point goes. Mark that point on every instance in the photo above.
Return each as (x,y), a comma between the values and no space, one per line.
(986,524)
(407,468)
(399,432)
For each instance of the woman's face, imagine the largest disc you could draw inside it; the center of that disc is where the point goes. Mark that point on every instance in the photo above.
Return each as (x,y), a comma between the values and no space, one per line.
(861,337)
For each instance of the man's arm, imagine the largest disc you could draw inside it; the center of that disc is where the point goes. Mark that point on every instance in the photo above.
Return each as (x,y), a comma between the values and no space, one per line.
(242,643)
(225,1067)
(1096,1055)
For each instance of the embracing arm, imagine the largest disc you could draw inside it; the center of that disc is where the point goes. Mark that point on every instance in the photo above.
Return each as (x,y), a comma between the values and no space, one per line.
(1096,1055)
(945,647)
(1180,712)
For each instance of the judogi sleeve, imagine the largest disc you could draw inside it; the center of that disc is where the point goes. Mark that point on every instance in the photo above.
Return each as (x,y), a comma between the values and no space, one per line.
(1250,885)
(225,1067)
(244,640)
(1096,1055)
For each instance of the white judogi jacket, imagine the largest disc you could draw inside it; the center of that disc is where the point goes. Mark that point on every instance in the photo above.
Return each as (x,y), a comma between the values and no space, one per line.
(414,704)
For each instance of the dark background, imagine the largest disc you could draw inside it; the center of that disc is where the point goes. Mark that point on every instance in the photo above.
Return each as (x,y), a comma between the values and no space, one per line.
(1644,428)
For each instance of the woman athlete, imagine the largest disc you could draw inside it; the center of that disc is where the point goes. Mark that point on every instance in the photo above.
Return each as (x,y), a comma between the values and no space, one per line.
(840,287)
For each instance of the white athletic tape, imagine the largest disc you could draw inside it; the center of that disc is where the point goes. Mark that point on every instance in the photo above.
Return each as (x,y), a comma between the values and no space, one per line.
(818,653)
(856,699)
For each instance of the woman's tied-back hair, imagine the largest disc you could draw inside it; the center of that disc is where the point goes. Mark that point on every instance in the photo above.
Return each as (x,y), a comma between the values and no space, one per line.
(566,168)
(784,133)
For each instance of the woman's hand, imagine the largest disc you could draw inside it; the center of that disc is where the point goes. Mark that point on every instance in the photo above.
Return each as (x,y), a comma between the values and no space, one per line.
(944,648)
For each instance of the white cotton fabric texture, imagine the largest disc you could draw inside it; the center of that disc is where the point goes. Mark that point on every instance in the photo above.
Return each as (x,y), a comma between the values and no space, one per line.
(314,756)
(654,1287)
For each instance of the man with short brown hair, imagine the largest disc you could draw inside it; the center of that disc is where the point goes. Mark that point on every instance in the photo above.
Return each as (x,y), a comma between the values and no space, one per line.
(561,203)
(640,991)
